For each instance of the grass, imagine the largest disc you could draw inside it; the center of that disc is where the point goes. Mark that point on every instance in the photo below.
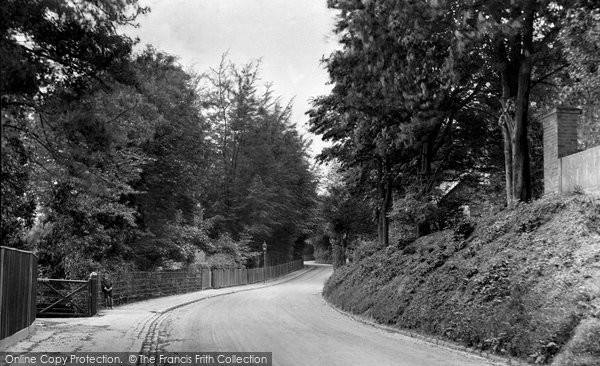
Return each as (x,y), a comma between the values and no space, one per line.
(525,283)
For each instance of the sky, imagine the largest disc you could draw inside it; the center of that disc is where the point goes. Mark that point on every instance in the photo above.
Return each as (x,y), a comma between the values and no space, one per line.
(289,36)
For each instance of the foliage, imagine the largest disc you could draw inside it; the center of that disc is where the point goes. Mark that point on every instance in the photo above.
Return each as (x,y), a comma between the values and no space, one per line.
(364,249)
(424,93)
(110,158)
(525,45)
(231,253)
(322,247)
(413,212)
(50,48)
(402,117)
(18,205)
(323,255)
(582,349)
(260,183)
(63,66)
(523,285)
(344,214)
(463,229)
(170,187)
(343,219)
(580,84)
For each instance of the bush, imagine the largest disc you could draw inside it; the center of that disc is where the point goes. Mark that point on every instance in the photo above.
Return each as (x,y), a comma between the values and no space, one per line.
(364,249)
(221,260)
(523,285)
(322,255)
(237,252)
(414,211)
(463,229)
(583,349)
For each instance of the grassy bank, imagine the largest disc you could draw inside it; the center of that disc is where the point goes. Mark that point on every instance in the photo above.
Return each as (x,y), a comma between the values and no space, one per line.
(525,283)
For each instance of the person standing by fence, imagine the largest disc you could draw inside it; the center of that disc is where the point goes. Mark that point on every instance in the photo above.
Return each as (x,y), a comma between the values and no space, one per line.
(107,288)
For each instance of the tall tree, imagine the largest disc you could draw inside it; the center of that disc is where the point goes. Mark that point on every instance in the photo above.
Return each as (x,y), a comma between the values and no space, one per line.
(47,48)
(173,180)
(345,217)
(579,85)
(393,104)
(262,185)
(520,42)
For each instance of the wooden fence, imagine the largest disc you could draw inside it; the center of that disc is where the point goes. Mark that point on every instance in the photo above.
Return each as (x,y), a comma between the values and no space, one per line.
(134,286)
(285,268)
(227,277)
(18,280)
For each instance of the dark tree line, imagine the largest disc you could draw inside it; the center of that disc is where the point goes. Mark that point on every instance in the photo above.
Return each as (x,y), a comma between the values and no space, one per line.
(124,160)
(427,93)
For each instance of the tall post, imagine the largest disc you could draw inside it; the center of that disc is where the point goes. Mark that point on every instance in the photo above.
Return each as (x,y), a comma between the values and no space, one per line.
(30,280)
(264,247)
(93,294)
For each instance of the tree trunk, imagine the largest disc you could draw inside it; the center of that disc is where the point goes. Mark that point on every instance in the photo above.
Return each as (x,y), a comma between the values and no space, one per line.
(508,162)
(425,157)
(379,225)
(338,253)
(385,199)
(516,83)
(521,169)
(387,204)
(384,236)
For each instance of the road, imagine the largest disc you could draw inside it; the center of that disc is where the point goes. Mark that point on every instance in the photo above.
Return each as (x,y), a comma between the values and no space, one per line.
(293,321)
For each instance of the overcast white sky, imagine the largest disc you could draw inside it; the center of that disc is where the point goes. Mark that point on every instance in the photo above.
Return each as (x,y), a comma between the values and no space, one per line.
(290,36)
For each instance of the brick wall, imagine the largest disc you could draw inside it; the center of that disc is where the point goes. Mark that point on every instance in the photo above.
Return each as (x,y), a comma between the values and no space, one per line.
(564,168)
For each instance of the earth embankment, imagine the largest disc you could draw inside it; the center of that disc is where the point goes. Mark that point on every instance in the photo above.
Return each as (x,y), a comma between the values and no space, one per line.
(525,283)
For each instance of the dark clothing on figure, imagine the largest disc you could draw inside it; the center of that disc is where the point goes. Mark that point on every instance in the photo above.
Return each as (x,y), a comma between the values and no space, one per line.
(107,291)
(106,287)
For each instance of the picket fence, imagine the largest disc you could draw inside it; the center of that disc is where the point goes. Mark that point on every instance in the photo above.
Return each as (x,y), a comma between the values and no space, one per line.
(134,286)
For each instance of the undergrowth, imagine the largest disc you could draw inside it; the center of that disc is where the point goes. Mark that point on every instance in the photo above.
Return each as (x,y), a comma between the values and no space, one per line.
(523,283)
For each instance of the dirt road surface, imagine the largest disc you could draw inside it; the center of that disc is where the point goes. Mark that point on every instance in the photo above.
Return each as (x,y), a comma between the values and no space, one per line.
(293,321)
(286,316)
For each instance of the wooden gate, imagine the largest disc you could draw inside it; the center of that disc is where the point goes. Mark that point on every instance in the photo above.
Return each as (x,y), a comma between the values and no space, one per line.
(57,297)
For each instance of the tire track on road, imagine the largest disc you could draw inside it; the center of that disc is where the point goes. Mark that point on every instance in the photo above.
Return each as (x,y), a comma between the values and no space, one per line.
(152,344)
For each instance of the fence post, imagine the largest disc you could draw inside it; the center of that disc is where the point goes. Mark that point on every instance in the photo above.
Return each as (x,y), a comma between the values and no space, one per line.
(4,331)
(30,284)
(93,294)
(33,288)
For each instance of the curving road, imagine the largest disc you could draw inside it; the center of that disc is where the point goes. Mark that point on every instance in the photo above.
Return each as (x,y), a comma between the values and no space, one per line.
(293,321)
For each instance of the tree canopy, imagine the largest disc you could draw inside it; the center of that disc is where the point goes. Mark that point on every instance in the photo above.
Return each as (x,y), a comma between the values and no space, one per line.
(423,91)
(124,160)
